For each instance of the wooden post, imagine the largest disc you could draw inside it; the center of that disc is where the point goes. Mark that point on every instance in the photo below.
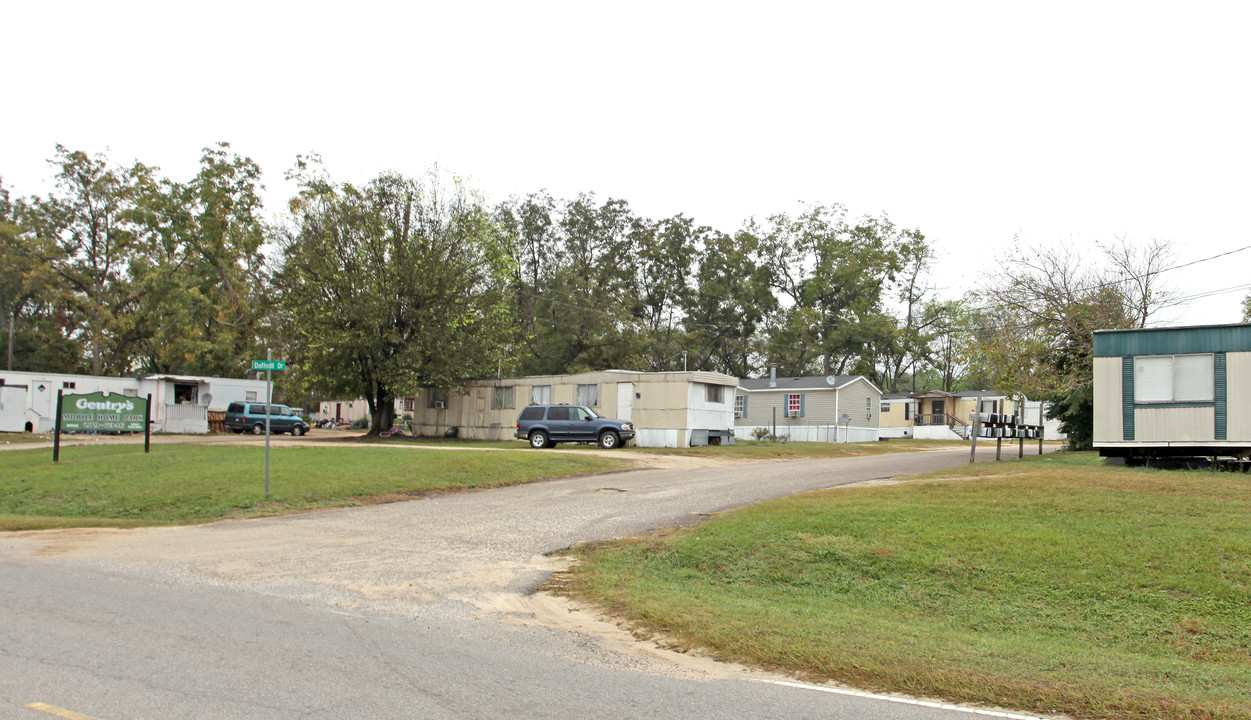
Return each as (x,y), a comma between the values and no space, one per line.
(977,430)
(998,449)
(56,438)
(1020,444)
(1041,432)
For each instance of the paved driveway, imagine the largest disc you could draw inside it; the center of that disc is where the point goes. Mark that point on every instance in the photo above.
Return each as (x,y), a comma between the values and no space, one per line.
(414,609)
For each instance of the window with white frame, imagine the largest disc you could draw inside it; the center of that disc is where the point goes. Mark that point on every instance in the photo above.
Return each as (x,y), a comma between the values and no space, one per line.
(884,408)
(794,403)
(502,398)
(714,393)
(1174,379)
(738,406)
(249,396)
(541,395)
(868,404)
(588,395)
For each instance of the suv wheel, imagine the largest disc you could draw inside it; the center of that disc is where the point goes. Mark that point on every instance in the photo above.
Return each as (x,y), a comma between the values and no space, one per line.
(609,440)
(258,429)
(538,439)
(297,431)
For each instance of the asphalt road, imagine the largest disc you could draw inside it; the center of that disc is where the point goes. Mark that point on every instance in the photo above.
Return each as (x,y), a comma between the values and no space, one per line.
(416,609)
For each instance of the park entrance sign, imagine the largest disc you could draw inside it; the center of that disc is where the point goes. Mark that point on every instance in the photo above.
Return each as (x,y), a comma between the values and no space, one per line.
(100,412)
(97,412)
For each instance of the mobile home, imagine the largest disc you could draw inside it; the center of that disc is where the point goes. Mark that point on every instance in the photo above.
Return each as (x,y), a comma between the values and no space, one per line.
(1182,391)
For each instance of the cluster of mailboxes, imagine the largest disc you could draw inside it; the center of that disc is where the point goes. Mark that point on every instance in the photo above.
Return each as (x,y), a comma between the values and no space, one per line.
(998,425)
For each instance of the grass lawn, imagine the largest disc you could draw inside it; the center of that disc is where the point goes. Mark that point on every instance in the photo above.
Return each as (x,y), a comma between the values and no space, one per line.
(1052,585)
(119,486)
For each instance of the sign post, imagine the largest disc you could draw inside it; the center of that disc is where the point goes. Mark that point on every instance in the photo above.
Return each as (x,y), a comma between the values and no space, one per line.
(269,365)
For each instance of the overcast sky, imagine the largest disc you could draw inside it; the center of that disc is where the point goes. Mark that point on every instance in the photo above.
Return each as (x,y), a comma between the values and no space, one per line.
(974,122)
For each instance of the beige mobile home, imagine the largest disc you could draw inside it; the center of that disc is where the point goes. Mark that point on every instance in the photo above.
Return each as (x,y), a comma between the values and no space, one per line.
(834,408)
(668,409)
(1173,391)
(945,415)
(898,415)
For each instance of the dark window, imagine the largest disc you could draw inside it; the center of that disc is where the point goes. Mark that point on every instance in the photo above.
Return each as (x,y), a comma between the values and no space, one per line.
(256,409)
(558,413)
(235,408)
(532,413)
(68,385)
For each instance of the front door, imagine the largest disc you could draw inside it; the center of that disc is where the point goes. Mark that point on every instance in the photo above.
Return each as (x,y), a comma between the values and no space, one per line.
(939,409)
(625,401)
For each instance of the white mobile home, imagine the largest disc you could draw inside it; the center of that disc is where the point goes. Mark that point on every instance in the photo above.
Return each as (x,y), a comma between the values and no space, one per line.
(1173,391)
(180,404)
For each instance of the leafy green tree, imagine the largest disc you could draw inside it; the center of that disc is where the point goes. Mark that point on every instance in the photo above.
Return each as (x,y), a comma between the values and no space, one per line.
(730,304)
(200,274)
(392,287)
(832,274)
(88,229)
(1246,308)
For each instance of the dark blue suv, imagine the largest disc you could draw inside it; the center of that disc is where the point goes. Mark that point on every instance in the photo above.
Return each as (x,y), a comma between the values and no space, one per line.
(546,425)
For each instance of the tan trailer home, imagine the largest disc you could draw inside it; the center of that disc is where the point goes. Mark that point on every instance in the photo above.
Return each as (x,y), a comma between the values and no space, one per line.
(1173,391)
(668,409)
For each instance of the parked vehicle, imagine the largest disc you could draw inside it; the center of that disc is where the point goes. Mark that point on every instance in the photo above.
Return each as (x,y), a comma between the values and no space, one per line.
(546,425)
(250,417)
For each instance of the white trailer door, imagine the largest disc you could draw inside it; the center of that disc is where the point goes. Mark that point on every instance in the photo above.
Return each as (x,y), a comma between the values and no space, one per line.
(625,401)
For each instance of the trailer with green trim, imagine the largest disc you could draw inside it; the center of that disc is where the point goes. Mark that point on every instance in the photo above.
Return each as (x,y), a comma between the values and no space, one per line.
(1172,392)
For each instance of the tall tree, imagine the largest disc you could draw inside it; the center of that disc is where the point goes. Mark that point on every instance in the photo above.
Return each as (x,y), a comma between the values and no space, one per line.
(392,287)
(727,310)
(1246,308)
(200,272)
(832,273)
(90,220)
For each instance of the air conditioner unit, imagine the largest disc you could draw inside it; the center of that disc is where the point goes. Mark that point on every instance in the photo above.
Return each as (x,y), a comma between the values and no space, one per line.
(738,413)
(439,404)
(792,413)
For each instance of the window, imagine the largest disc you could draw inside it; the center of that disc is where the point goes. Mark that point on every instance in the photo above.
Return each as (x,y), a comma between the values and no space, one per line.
(795,405)
(588,395)
(532,413)
(885,407)
(435,398)
(714,393)
(541,395)
(558,413)
(249,396)
(1174,378)
(409,403)
(68,385)
(908,410)
(740,406)
(868,404)
(502,398)
(578,414)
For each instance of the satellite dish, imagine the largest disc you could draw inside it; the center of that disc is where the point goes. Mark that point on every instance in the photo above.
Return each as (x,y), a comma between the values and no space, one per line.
(830,379)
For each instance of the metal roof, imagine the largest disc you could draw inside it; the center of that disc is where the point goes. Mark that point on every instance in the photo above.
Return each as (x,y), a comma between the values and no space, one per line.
(815,382)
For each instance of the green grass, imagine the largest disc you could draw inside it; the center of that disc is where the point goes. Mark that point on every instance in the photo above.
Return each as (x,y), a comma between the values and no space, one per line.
(1052,585)
(120,486)
(16,438)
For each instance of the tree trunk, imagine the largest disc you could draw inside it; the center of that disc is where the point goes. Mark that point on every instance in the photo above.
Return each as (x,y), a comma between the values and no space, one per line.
(381,412)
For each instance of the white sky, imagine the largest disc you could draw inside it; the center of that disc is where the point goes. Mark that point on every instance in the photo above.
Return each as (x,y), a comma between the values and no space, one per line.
(975,122)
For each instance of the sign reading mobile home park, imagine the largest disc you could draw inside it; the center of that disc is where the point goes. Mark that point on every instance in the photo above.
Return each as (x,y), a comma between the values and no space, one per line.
(98,411)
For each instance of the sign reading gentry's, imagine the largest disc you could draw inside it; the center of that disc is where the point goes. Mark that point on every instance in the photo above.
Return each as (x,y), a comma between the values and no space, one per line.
(101,411)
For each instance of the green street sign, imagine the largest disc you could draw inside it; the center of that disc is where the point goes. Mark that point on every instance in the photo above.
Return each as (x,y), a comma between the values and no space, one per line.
(269,364)
(98,411)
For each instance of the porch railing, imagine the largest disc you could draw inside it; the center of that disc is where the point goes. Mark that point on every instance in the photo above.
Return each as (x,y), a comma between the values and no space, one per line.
(957,425)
